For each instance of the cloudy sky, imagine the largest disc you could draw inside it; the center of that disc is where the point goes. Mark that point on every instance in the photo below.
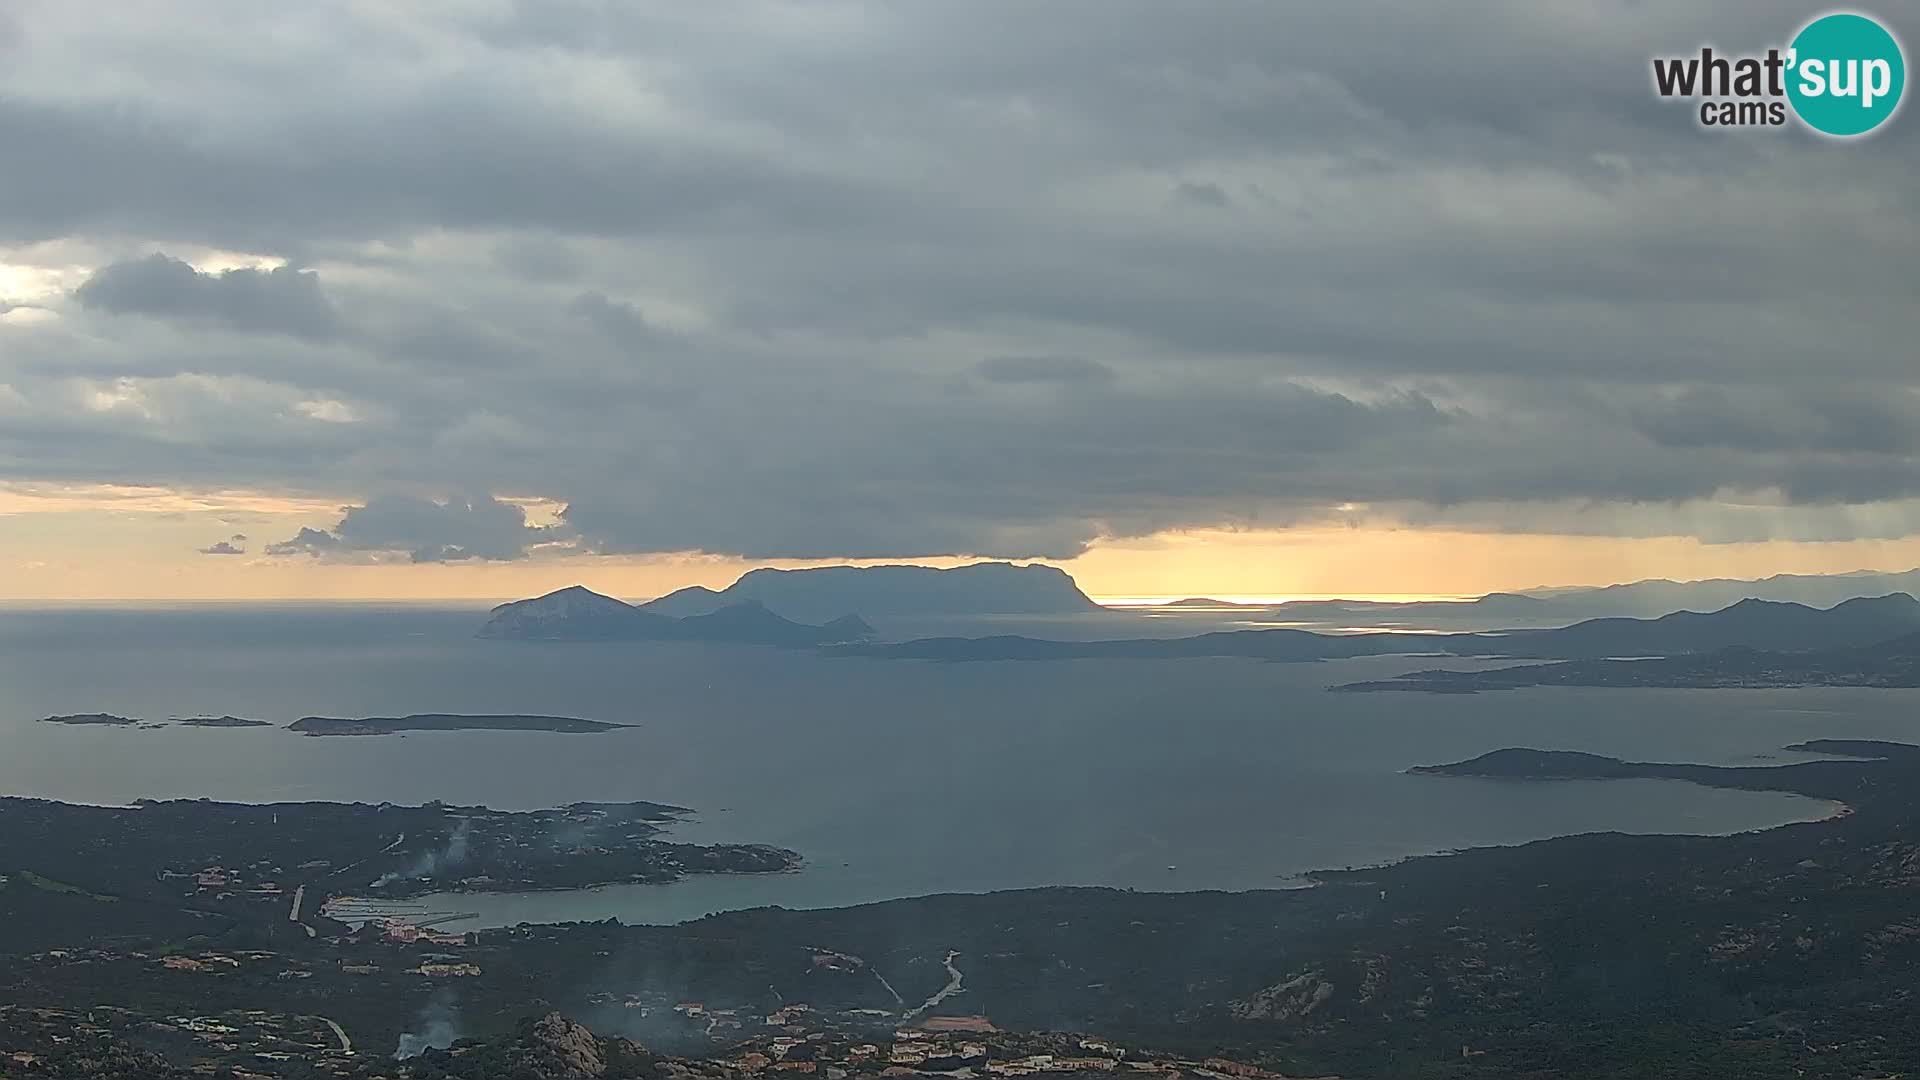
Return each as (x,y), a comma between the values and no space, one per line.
(476,297)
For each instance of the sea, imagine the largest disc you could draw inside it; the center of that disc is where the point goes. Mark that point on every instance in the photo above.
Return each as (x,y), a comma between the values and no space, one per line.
(892,778)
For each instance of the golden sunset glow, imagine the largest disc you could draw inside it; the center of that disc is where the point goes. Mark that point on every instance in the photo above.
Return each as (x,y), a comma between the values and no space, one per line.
(103,542)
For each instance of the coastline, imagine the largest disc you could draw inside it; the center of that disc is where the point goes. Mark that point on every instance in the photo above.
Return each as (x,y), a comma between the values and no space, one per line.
(659,904)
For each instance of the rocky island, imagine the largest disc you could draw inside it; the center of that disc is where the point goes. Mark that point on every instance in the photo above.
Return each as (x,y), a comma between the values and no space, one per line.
(389,725)
(367,725)
(91,720)
(220,722)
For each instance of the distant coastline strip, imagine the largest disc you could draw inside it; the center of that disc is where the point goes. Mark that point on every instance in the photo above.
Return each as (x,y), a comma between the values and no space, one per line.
(370,725)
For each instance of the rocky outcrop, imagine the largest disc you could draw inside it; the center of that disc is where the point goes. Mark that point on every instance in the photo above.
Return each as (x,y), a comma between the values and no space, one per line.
(560,1049)
(1294,999)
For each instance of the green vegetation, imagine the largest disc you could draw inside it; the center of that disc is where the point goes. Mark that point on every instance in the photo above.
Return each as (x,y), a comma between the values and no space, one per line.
(1786,953)
(51,885)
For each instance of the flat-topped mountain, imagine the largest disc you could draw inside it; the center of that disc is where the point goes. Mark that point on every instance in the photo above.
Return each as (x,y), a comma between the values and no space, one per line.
(577,613)
(827,592)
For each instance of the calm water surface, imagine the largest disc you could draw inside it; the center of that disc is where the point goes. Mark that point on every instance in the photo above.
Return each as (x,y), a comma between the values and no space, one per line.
(892,778)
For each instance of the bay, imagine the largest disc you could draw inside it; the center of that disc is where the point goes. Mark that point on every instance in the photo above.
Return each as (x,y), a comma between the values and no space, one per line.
(891,778)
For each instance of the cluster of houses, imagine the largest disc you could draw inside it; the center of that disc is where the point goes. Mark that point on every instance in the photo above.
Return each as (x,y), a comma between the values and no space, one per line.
(921,1052)
(446,971)
(403,932)
(223,882)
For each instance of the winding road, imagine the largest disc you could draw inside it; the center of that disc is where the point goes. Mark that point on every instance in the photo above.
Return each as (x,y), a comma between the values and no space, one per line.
(952,987)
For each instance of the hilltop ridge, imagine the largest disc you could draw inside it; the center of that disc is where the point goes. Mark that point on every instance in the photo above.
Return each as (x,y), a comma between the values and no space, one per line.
(1751,624)
(577,613)
(826,592)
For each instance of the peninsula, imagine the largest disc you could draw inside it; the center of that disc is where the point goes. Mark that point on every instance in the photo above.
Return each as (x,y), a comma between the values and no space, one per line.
(1780,953)
(1889,664)
(1749,624)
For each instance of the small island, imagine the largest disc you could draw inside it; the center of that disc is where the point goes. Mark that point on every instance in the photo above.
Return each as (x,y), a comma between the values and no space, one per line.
(388,725)
(1525,763)
(91,720)
(220,722)
(367,725)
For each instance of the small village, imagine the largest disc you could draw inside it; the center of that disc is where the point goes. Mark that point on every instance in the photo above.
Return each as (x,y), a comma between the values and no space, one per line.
(253,1043)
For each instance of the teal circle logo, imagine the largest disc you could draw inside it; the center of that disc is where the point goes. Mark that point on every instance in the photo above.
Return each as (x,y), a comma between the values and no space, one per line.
(1845,74)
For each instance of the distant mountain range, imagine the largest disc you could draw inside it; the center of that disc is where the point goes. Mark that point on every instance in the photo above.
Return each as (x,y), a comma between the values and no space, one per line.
(1513,605)
(1658,595)
(1885,664)
(578,613)
(827,606)
(1571,603)
(828,592)
(1751,624)
(1490,606)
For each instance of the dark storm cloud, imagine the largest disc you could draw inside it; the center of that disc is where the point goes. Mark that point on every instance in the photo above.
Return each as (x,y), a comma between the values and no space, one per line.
(475,160)
(282,300)
(1858,420)
(974,477)
(725,280)
(427,530)
(307,541)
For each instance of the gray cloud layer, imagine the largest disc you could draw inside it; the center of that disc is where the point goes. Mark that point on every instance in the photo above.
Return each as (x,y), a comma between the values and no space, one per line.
(428,530)
(284,300)
(996,278)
